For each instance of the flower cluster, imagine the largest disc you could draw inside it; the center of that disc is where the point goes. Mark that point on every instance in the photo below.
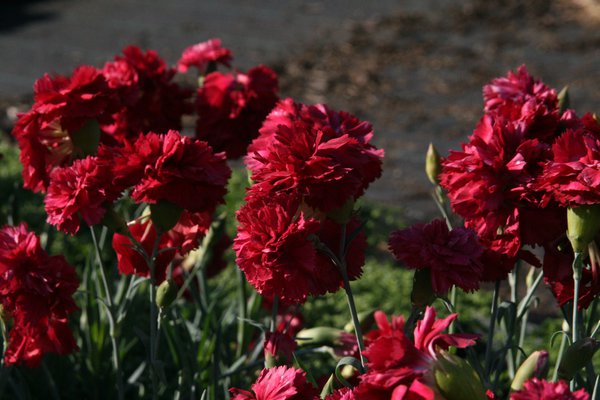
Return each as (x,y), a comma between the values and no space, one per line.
(528,159)
(36,297)
(307,161)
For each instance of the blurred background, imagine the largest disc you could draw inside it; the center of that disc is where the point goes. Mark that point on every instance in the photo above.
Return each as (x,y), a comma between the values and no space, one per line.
(414,68)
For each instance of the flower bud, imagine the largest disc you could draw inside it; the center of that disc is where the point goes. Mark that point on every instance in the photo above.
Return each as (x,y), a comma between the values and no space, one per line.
(164,215)
(433,166)
(456,379)
(166,293)
(422,293)
(320,335)
(563,99)
(114,221)
(535,366)
(576,357)
(366,320)
(583,223)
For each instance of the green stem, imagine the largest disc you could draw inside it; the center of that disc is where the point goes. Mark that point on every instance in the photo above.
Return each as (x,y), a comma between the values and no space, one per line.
(243,310)
(111,319)
(490,341)
(561,350)
(354,314)
(452,328)
(153,316)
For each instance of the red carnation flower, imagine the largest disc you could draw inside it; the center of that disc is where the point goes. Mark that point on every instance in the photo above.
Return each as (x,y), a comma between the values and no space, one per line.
(319,154)
(81,190)
(573,176)
(36,291)
(46,133)
(279,383)
(201,54)
(525,101)
(453,257)
(280,346)
(341,394)
(275,249)
(149,98)
(491,184)
(129,259)
(187,174)
(396,365)
(231,108)
(187,234)
(536,389)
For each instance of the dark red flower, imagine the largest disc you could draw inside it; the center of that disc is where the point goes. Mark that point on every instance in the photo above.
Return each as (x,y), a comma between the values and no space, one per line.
(187,174)
(572,178)
(453,257)
(341,394)
(279,383)
(231,108)
(274,249)
(82,190)
(36,291)
(131,261)
(525,101)
(148,97)
(201,54)
(280,346)
(46,133)
(492,185)
(321,155)
(536,389)
(189,231)
(398,366)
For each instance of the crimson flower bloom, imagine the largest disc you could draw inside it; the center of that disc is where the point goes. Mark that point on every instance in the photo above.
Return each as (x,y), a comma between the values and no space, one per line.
(319,154)
(187,173)
(148,97)
(275,248)
(62,106)
(279,383)
(231,108)
(36,291)
(525,101)
(341,394)
(81,190)
(129,259)
(201,54)
(453,257)
(572,177)
(280,346)
(397,365)
(536,389)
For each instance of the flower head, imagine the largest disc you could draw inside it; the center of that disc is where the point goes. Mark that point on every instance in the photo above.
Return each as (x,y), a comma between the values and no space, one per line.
(540,389)
(453,257)
(231,108)
(201,54)
(279,383)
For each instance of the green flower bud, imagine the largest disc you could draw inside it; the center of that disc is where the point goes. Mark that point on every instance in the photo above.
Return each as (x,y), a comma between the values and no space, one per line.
(535,366)
(583,223)
(114,221)
(164,215)
(433,166)
(320,335)
(366,320)
(576,357)
(166,293)
(563,99)
(456,379)
(422,293)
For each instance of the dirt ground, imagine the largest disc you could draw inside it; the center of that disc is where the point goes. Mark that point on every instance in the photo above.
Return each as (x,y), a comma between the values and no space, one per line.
(416,73)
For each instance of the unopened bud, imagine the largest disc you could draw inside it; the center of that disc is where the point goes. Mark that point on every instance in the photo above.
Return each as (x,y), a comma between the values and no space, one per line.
(433,166)
(422,293)
(535,366)
(114,221)
(456,379)
(343,214)
(583,223)
(563,99)
(576,357)
(320,335)
(165,215)
(166,293)
(366,320)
